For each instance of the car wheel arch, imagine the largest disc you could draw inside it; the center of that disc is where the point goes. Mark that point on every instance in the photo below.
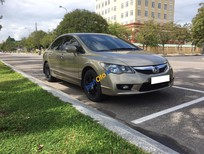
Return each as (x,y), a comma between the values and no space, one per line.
(85,69)
(44,66)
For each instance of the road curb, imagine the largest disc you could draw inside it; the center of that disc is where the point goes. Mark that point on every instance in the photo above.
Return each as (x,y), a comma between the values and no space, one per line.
(115,126)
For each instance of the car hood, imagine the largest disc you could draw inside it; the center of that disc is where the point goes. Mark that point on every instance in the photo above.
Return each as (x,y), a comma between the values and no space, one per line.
(132,58)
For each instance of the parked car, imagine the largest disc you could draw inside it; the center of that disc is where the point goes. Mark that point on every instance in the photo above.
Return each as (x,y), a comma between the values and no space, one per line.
(103,64)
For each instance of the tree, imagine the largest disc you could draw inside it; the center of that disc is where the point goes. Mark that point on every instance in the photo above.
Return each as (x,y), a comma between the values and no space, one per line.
(35,38)
(198,27)
(148,34)
(80,21)
(166,33)
(48,39)
(118,30)
(2,1)
(9,44)
(182,33)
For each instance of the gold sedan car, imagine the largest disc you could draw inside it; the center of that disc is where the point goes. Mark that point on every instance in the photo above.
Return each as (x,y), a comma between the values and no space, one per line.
(105,65)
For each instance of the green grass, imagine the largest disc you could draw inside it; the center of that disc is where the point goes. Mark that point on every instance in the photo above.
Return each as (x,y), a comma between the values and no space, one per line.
(34,121)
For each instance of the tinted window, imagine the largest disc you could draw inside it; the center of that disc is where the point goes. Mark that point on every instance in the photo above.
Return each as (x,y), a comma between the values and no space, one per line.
(57,44)
(105,43)
(70,40)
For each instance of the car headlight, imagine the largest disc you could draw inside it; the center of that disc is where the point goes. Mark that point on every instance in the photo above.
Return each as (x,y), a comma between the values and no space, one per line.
(117,69)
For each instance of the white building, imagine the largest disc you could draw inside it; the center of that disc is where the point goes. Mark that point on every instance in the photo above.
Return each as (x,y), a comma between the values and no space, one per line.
(136,11)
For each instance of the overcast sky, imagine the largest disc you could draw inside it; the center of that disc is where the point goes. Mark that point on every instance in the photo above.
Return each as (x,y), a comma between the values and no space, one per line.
(20,16)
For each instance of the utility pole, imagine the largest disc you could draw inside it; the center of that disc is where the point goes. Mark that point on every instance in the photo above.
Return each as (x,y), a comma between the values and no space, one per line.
(36,27)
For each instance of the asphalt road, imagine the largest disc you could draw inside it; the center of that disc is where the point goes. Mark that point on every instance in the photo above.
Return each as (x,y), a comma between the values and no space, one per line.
(174,117)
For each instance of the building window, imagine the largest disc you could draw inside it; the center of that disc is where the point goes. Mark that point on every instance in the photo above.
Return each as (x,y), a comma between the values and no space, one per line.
(159,5)
(102,13)
(171,7)
(165,16)
(139,12)
(131,2)
(122,15)
(146,13)
(152,14)
(108,2)
(165,6)
(131,13)
(108,10)
(153,4)
(114,17)
(139,2)
(99,6)
(103,4)
(114,8)
(146,2)
(105,11)
(126,14)
(159,15)
(122,6)
(114,0)
(126,4)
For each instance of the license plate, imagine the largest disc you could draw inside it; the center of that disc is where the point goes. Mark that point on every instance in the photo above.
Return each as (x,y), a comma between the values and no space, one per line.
(160,79)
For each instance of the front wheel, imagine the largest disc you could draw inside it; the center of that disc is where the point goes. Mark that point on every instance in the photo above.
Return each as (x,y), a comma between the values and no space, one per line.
(48,75)
(92,88)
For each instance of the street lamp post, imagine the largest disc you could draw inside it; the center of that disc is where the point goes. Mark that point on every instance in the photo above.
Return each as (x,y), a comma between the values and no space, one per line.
(63,8)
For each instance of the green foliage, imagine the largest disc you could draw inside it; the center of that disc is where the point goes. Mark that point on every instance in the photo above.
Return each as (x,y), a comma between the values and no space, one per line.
(48,39)
(34,39)
(148,34)
(182,33)
(2,1)
(198,27)
(118,30)
(82,21)
(34,121)
(9,44)
(166,33)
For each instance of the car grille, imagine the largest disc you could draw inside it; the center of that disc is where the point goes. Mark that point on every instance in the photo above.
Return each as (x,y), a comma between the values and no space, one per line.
(149,86)
(151,69)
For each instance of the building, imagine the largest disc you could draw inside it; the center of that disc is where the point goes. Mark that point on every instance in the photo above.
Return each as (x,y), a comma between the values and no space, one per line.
(136,11)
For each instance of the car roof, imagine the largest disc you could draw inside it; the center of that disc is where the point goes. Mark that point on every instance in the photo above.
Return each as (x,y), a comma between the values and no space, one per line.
(77,34)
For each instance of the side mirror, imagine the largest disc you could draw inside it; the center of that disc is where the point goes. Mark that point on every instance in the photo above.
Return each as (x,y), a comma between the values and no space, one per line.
(71,48)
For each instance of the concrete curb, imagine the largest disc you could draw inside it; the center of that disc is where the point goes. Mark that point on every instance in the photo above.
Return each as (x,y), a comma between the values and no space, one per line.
(119,128)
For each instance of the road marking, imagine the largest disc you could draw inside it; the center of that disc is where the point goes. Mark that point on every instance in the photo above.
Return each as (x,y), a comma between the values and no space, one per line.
(194,90)
(172,109)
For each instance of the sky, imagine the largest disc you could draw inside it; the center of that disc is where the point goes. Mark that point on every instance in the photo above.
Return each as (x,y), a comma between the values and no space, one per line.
(20,16)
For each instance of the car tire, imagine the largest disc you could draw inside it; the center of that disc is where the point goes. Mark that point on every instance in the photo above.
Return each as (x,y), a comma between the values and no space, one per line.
(93,92)
(47,72)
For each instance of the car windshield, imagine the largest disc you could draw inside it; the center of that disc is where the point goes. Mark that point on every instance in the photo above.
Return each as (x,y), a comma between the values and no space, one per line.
(100,43)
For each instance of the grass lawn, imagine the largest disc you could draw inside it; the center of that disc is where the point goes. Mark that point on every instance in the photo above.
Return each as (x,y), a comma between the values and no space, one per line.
(34,121)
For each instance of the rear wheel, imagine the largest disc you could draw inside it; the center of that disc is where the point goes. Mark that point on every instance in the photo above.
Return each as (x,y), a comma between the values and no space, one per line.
(92,88)
(47,72)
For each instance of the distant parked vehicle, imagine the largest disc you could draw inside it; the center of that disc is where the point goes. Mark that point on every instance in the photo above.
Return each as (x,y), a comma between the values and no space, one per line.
(105,65)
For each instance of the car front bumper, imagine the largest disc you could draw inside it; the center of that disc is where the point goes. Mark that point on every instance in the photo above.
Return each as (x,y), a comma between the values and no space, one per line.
(138,83)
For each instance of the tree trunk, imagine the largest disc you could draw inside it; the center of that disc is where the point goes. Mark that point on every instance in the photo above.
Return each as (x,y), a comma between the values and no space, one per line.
(163,49)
